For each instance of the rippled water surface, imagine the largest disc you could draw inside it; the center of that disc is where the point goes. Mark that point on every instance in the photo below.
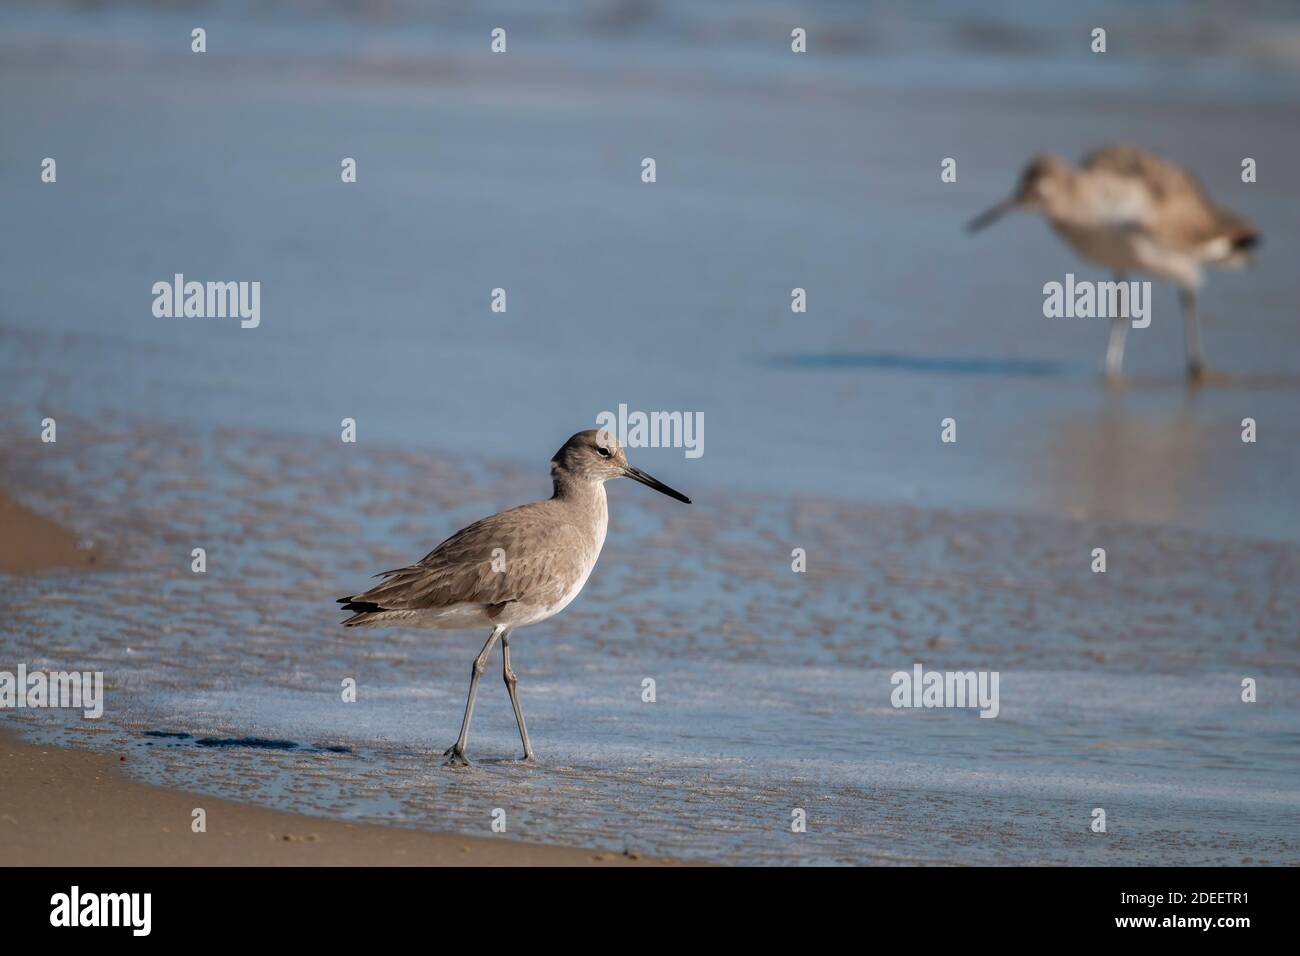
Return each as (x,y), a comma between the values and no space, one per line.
(772,688)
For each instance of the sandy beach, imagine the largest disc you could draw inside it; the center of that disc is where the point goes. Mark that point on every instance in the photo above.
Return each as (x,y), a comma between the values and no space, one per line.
(62,807)
(30,543)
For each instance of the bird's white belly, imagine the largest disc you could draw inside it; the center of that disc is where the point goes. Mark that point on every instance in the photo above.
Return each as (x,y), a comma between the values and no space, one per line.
(1112,248)
(1128,250)
(540,612)
(524,615)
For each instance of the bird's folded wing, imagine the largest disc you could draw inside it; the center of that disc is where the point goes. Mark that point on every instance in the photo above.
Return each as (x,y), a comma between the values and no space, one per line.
(487,563)
(1173,208)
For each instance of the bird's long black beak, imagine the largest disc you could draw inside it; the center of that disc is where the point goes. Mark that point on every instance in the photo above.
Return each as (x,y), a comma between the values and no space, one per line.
(649,481)
(989,216)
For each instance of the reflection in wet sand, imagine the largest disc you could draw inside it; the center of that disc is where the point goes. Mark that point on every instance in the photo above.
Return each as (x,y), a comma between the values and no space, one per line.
(1129,464)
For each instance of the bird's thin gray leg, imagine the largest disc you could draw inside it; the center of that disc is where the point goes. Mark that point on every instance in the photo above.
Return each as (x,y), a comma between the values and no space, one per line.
(1118,333)
(507,672)
(456,752)
(1195,360)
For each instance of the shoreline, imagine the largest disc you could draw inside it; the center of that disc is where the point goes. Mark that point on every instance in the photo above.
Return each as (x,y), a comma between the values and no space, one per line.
(63,807)
(67,807)
(1085,705)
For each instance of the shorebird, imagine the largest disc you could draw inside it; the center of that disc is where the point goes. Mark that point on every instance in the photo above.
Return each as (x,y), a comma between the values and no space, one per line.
(1129,210)
(511,569)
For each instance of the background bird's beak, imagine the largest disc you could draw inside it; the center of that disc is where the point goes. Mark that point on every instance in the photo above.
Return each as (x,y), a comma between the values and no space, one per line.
(989,216)
(651,482)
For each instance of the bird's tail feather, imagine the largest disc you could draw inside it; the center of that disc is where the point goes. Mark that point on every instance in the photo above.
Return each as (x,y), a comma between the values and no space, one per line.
(361,610)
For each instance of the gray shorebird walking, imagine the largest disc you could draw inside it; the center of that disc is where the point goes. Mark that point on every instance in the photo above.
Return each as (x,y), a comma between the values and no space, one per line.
(509,570)
(1128,210)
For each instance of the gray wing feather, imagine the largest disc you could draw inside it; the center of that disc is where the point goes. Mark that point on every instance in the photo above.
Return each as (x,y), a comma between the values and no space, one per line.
(542,557)
(1180,212)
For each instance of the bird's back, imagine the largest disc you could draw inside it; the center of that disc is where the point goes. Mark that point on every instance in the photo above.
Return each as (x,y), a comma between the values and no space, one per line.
(1175,210)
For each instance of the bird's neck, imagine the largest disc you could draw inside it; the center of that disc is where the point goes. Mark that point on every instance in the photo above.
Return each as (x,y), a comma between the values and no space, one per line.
(587,499)
(572,488)
(1062,204)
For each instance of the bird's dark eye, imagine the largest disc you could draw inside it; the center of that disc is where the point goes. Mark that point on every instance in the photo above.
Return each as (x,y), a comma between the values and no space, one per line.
(604,452)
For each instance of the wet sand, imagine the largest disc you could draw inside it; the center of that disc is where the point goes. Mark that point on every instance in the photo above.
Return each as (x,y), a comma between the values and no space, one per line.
(30,543)
(65,807)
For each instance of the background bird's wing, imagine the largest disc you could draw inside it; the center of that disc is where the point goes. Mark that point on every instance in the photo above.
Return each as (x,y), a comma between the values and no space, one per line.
(1161,177)
(1177,210)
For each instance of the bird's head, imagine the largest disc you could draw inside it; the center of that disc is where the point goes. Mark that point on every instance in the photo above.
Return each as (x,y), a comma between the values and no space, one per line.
(595,456)
(1040,182)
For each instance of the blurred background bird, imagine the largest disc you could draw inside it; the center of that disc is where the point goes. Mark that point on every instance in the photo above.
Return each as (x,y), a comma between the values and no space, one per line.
(1132,211)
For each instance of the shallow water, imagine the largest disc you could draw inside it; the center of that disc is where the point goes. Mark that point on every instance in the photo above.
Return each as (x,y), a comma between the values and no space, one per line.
(1119,691)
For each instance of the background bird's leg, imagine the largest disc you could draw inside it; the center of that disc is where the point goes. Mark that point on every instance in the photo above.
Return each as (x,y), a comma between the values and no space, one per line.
(457,750)
(511,680)
(1195,360)
(1118,332)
